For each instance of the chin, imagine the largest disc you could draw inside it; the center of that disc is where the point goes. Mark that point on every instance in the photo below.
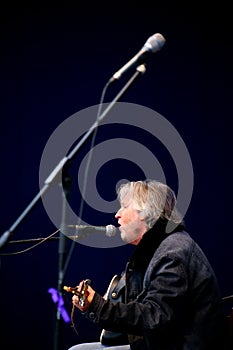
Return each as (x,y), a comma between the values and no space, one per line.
(123,236)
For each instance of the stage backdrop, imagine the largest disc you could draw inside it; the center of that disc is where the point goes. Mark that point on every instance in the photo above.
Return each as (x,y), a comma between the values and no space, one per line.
(172,123)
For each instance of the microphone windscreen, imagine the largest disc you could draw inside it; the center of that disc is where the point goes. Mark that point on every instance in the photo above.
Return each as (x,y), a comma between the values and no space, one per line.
(110,230)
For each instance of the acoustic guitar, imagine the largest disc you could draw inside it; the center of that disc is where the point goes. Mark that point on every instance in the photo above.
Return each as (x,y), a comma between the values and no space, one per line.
(115,293)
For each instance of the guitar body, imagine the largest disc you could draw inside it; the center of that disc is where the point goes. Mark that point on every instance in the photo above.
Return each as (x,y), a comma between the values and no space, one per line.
(115,293)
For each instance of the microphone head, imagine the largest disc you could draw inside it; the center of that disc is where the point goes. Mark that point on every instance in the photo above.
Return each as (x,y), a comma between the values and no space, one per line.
(155,42)
(110,230)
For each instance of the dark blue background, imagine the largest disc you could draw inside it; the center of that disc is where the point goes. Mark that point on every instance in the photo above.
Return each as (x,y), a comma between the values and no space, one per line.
(55,61)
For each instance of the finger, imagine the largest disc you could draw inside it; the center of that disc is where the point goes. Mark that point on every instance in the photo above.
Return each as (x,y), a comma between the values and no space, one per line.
(80,286)
(75,299)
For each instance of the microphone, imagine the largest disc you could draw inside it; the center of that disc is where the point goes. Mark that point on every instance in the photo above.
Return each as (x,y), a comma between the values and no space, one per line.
(153,44)
(109,230)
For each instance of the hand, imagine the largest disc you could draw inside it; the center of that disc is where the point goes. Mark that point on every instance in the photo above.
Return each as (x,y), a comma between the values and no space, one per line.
(83,303)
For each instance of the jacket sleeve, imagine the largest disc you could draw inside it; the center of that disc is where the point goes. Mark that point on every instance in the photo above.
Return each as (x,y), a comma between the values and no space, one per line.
(159,304)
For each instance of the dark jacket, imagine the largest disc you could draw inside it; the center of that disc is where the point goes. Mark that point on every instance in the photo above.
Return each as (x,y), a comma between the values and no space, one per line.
(172,299)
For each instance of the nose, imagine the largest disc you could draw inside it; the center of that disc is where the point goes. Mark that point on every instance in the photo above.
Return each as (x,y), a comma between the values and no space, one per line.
(118,215)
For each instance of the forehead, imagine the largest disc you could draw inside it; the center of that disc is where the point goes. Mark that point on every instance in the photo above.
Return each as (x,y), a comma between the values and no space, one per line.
(126,200)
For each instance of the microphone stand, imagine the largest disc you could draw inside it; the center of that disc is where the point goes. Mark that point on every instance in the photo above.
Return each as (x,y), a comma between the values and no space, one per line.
(62,257)
(50,179)
(7,234)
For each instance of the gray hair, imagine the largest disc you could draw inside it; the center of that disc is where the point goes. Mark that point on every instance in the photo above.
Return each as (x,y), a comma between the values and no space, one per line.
(153,199)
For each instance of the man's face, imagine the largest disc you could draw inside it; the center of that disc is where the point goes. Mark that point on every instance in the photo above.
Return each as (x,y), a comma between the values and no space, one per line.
(132,226)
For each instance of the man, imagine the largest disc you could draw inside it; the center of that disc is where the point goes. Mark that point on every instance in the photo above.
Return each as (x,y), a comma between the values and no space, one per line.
(172,299)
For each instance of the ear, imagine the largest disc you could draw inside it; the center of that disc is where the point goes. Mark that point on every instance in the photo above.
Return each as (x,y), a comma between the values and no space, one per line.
(142,215)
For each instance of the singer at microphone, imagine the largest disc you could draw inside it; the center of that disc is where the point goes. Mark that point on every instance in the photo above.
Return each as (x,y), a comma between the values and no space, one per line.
(153,44)
(167,296)
(109,230)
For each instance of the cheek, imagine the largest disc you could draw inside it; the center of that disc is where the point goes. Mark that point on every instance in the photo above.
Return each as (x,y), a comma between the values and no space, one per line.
(126,218)
(129,216)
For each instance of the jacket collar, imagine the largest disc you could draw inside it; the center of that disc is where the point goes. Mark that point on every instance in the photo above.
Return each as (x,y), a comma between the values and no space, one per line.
(150,241)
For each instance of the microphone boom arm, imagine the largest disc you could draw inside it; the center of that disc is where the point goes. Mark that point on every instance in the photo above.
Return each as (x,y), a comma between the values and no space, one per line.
(7,234)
